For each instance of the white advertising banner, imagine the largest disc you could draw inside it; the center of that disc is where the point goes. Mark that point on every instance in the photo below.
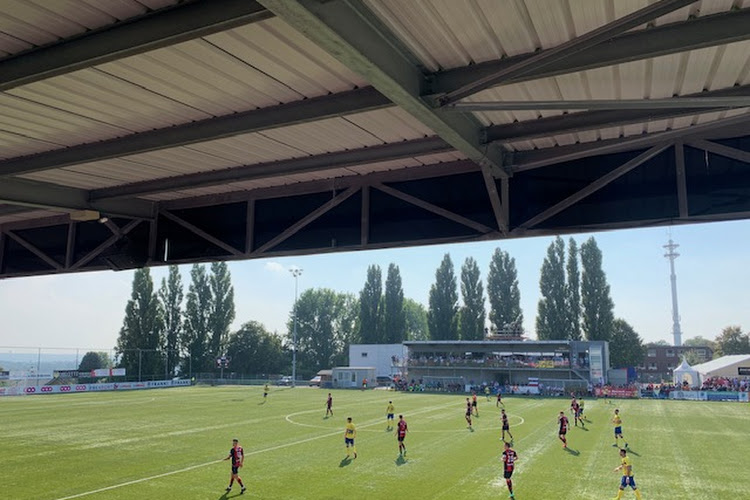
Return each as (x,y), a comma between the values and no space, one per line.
(108,372)
(64,389)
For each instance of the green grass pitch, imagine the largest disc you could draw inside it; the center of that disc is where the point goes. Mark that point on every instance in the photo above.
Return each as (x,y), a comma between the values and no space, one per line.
(166,444)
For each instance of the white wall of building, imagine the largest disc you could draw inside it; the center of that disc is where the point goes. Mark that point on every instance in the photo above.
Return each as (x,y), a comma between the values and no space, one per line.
(349,377)
(379,356)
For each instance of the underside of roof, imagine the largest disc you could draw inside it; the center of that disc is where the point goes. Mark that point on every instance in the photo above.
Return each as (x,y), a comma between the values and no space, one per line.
(148,132)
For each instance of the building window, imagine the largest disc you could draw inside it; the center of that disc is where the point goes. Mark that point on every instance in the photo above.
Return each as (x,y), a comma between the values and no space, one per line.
(670,353)
(652,353)
(652,366)
(364,354)
(670,366)
(702,353)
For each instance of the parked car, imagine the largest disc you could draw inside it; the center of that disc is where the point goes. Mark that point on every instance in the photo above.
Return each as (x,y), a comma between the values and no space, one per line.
(384,381)
(315,381)
(285,380)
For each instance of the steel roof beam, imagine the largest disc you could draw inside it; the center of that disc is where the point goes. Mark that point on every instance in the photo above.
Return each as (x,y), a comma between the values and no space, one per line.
(359,39)
(702,32)
(315,163)
(26,193)
(727,127)
(283,115)
(566,50)
(576,122)
(159,29)
(696,103)
(721,150)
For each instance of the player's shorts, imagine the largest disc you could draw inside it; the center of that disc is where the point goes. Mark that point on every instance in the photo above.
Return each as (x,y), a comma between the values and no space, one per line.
(628,480)
(508,473)
(235,469)
(618,430)
(349,441)
(390,416)
(562,432)
(506,427)
(580,412)
(401,437)
(474,404)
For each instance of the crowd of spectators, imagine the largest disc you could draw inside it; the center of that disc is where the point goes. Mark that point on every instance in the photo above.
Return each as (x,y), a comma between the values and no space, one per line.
(726,384)
(494,361)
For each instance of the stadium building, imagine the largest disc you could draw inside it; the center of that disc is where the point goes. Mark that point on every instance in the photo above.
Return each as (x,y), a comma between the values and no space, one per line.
(547,364)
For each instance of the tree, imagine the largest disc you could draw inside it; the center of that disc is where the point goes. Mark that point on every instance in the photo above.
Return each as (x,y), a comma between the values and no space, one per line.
(170,297)
(253,350)
(626,347)
(472,292)
(415,316)
(598,308)
(732,341)
(394,322)
(222,307)
(699,342)
(326,325)
(573,292)
(140,336)
(194,341)
(443,314)
(552,315)
(502,291)
(369,306)
(93,360)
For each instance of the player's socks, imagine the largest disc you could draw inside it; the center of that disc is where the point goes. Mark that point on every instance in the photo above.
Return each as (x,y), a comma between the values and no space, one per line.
(637,494)
(619,494)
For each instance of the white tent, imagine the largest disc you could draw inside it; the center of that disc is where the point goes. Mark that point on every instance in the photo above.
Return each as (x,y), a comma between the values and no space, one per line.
(736,365)
(686,373)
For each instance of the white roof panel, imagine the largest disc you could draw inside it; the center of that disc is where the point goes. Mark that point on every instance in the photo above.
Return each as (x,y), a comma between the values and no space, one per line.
(722,362)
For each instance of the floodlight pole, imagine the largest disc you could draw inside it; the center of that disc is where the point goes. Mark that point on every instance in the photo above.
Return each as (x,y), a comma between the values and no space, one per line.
(296,272)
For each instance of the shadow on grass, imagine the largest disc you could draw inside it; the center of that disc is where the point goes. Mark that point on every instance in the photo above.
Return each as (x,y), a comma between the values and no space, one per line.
(631,452)
(400,461)
(573,452)
(584,428)
(471,429)
(227,495)
(345,461)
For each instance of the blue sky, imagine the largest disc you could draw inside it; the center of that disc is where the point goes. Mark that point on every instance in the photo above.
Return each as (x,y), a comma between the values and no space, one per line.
(86,310)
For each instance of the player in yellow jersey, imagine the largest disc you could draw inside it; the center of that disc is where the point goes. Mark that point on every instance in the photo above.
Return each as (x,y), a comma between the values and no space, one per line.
(389,411)
(617,421)
(627,476)
(349,434)
(265,392)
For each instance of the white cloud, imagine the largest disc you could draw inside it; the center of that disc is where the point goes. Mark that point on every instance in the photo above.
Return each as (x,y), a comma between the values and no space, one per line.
(274,267)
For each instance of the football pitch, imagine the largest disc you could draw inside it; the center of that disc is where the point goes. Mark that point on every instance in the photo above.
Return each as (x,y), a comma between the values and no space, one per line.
(168,444)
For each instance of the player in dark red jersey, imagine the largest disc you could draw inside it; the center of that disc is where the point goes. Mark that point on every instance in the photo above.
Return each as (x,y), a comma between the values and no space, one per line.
(401,434)
(509,462)
(563,421)
(468,412)
(499,399)
(237,455)
(329,405)
(474,403)
(506,425)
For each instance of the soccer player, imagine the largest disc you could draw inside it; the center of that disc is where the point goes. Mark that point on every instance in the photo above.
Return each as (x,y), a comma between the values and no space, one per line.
(580,408)
(329,405)
(474,403)
(389,414)
(509,462)
(563,421)
(401,433)
(237,455)
(617,421)
(506,425)
(265,392)
(627,476)
(468,412)
(349,434)
(499,399)
(487,392)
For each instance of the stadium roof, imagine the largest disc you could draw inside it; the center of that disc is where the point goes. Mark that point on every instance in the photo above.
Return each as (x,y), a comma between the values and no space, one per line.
(721,363)
(145,132)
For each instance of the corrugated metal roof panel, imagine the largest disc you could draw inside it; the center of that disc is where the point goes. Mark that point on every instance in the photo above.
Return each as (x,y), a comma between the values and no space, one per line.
(30,215)
(25,24)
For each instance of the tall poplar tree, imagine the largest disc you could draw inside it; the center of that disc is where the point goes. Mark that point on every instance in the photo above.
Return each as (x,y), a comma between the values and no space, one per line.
(573,289)
(416,320)
(171,296)
(552,316)
(472,293)
(503,291)
(222,307)
(443,314)
(369,307)
(394,321)
(598,308)
(139,341)
(194,341)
